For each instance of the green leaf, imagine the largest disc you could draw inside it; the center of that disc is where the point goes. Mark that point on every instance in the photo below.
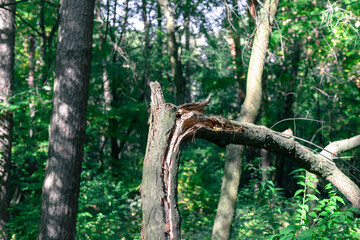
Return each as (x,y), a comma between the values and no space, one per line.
(312,214)
(328,186)
(339,199)
(306,234)
(297,170)
(310,185)
(289,229)
(298,192)
(302,183)
(312,197)
(288,237)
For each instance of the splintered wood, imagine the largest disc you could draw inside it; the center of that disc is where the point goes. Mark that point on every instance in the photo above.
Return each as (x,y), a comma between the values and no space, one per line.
(170,127)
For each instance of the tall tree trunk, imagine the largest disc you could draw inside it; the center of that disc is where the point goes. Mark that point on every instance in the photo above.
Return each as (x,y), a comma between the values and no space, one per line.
(283,167)
(68,122)
(235,49)
(176,68)
(46,51)
(146,77)
(187,49)
(235,35)
(159,42)
(159,38)
(109,89)
(31,78)
(249,111)
(125,20)
(113,123)
(43,52)
(7,43)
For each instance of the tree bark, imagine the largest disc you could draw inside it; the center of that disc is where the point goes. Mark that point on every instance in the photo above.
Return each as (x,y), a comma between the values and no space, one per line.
(7,43)
(68,122)
(176,68)
(157,207)
(171,126)
(161,217)
(249,111)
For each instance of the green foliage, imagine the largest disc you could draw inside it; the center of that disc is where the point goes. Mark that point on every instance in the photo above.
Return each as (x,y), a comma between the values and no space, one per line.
(199,187)
(312,72)
(329,218)
(104,204)
(261,210)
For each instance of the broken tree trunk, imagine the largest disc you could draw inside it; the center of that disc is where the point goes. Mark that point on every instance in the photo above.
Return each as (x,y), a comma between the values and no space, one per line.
(171,126)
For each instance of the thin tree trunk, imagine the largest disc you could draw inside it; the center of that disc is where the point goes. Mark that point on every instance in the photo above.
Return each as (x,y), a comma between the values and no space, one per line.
(113,123)
(249,111)
(146,77)
(265,164)
(235,35)
(7,40)
(46,51)
(235,49)
(283,167)
(43,32)
(43,52)
(68,122)
(159,39)
(31,79)
(187,49)
(125,20)
(176,68)
(106,86)
(159,43)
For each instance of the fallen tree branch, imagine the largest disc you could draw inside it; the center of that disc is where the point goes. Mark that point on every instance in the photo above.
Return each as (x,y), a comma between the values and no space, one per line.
(262,137)
(171,126)
(333,149)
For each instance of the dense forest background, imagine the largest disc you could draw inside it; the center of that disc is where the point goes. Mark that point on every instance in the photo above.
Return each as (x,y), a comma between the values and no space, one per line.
(311,85)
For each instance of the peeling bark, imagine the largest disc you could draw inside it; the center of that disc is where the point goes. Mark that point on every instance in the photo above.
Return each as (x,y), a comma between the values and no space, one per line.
(171,126)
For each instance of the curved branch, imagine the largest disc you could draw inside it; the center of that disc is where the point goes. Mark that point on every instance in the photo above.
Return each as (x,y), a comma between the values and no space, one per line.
(262,137)
(340,146)
(11,3)
(171,126)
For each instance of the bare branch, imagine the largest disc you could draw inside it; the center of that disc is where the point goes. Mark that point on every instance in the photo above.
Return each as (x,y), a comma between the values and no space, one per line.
(12,3)
(333,149)
(223,132)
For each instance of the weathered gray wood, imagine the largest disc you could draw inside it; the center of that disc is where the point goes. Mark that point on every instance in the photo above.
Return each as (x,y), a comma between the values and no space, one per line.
(171,126)
(155,208)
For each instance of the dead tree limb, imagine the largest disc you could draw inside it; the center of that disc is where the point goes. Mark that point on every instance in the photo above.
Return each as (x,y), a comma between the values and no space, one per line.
(171,126)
